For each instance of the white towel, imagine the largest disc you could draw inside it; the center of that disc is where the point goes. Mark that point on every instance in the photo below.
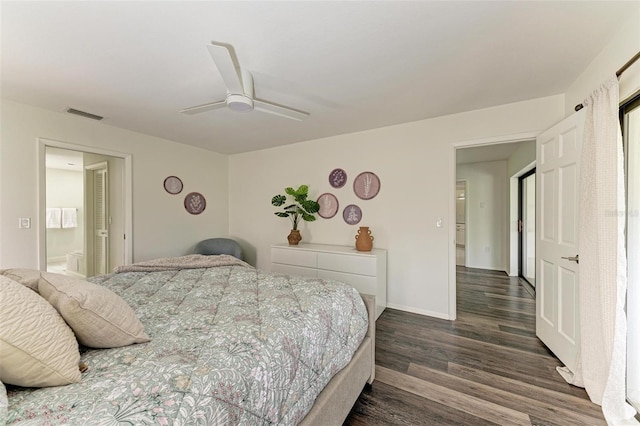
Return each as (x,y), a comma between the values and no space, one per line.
(69,217)
(54,218)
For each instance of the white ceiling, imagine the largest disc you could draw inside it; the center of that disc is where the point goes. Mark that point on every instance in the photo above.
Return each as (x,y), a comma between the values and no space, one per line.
(478,154)
(64,159)
(352,65)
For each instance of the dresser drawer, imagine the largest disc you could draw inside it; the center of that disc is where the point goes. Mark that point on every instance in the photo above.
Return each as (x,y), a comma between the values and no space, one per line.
(294,270)
(361,283)
(294,257)
(361,265)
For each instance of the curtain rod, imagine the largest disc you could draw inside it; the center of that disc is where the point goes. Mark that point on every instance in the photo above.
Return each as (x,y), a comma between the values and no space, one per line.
(618,73)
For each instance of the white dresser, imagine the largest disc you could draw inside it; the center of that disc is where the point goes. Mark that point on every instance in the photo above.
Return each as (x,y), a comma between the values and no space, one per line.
(365,271)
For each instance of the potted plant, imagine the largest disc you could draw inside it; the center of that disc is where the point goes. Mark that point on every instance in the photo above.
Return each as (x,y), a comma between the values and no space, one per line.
(301,208)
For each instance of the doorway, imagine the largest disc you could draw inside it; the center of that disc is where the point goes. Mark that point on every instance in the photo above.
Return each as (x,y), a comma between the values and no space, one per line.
(489,167)
(85,209)
(527,227)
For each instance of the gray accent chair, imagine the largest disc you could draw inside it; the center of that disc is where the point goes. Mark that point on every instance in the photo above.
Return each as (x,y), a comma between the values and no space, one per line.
(219,246)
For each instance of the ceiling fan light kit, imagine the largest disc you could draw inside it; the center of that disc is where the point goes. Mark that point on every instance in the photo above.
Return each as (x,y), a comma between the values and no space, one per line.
(240,90)
(239,103)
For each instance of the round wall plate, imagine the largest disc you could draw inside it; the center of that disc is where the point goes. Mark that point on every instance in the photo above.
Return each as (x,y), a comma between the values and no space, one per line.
(352,214)
(173,185)
(366,185)
(328,205)
(337,178)
(195,203)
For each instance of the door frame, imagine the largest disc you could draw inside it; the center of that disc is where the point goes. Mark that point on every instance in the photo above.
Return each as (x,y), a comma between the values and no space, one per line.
(520,137)
(127,193)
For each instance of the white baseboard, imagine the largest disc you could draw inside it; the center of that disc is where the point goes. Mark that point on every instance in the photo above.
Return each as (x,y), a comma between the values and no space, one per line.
(56,259)
(486,268)
(418,311)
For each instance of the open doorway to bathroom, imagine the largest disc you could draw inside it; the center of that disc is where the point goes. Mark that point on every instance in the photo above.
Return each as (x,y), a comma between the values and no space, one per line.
(84,212)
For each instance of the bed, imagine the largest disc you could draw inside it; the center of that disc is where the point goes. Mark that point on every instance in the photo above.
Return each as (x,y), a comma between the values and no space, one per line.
(229,344)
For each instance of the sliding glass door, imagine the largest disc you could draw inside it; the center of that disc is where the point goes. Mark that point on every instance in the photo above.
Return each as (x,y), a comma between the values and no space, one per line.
(630,119)
(527,227)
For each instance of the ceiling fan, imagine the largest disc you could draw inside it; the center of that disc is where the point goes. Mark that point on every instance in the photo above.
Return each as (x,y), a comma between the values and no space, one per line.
(240,93)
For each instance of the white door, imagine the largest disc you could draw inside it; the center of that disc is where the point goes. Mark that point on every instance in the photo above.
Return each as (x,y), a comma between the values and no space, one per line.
(97,203)
(557,156)
(101,213)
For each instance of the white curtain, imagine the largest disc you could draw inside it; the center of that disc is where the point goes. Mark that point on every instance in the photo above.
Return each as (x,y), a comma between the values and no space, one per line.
(603,273)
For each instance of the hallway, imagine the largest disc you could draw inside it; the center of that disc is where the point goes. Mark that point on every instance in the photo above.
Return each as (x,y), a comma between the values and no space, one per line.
(485,368)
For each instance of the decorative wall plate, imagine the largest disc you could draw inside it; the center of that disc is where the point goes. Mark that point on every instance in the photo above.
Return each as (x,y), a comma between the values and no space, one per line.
(195,203)
(337,178)
(352,214)
(328,205)
(366,185)
(173,185)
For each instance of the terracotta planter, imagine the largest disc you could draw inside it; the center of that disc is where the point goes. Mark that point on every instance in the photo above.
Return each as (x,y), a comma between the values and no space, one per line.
(294,237)
(364,239)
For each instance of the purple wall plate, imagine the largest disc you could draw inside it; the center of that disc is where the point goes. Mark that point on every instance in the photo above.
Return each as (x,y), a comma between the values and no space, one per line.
(352,214)
(337,178)
(366,185)
(328,205)
(195,203)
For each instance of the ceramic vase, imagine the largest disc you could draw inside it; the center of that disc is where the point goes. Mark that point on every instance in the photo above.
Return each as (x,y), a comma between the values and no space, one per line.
(364,239)
(294,237)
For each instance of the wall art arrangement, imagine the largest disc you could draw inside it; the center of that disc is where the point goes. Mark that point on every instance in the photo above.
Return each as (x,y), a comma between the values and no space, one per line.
(365,186)
(194,202)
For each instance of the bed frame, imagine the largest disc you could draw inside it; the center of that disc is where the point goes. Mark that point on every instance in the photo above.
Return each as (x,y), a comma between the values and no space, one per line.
(337,398)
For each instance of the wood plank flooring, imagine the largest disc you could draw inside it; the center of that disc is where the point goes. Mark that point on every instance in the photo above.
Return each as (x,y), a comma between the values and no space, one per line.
(485,368)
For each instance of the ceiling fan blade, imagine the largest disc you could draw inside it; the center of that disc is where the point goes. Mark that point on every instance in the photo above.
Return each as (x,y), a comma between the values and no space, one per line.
(223,56)
(203,108)
(280,110)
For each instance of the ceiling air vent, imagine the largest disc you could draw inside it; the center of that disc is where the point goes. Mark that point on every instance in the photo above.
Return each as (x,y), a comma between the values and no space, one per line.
(84,114)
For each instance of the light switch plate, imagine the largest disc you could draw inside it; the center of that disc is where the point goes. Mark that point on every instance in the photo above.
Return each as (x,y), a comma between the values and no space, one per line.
(24,223)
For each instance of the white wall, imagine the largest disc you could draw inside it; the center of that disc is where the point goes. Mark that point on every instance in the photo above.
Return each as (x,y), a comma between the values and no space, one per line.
(64,189)
(161,226)
(487,223)
(416,167)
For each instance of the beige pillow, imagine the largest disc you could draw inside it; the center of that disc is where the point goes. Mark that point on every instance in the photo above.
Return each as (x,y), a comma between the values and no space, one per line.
(27,277)
(37,348)
(99,317)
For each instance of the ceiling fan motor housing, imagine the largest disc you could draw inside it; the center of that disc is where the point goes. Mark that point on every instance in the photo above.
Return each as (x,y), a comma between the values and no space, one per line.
(240,103)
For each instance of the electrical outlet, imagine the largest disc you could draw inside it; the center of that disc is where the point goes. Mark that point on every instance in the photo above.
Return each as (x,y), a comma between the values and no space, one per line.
(24,223)
(439,223)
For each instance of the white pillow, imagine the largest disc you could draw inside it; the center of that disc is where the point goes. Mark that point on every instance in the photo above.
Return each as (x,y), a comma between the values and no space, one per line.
(37,348)
(99,317)
(27,277)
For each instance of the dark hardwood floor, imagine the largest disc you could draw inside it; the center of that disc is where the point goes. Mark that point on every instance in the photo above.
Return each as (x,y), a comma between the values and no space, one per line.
(485,368)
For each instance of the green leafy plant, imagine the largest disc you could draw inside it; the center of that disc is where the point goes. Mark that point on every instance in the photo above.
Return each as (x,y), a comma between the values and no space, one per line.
(301,208)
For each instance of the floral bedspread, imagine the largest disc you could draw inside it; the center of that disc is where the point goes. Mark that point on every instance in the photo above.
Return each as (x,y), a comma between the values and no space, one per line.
(230,345)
